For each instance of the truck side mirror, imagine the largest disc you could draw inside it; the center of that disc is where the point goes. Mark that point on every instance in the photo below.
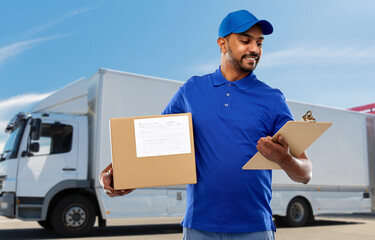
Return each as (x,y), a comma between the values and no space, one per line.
(35,129)
(34,147)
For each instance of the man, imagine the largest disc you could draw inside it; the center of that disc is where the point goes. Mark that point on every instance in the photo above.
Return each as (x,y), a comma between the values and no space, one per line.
(233,112)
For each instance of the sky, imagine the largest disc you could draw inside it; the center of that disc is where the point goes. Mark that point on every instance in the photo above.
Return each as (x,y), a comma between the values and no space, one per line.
(321,52)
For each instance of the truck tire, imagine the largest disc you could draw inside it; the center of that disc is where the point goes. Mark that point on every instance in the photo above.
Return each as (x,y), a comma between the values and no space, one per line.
(298,213)
(73,216)
(45,224)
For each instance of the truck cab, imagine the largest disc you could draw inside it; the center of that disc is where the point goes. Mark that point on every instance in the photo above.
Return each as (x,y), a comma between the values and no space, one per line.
(45,154)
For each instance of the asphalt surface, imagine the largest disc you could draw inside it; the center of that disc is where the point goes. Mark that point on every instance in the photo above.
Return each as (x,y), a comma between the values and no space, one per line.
(351,226)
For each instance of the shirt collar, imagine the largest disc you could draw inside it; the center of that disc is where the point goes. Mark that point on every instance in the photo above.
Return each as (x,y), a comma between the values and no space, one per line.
(244,83)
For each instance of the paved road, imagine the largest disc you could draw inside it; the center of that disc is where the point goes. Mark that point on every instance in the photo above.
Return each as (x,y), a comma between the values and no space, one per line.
(358,226)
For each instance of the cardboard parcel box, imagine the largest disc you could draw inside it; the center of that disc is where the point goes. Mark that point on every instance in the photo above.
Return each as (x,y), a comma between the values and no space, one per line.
(152,151)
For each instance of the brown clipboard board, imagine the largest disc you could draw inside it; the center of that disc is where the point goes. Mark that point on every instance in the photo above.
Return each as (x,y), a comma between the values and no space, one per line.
(298,134)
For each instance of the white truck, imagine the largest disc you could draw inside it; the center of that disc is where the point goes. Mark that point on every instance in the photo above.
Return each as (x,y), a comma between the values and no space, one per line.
(343,178)
(51,161)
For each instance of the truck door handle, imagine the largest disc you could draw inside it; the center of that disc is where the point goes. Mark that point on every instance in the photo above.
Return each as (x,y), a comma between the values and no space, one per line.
(69,169)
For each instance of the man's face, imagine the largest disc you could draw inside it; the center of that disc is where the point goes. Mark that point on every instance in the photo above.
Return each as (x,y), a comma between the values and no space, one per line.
(245,49)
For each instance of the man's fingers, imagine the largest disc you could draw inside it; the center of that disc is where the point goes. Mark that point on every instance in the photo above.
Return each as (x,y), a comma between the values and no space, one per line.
(106,179)
(116,193)
(282,141)
(265,142)
(267,147)
(263,147)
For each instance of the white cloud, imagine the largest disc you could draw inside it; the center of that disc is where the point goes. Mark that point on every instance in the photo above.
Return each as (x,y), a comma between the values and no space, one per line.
(3,124)
(3,136)
(57,20)
(19,47)
(13,105)
(319,55)
(2,144)
(306,55)
(344,98)
(206,67)
(80,11)
(21,100)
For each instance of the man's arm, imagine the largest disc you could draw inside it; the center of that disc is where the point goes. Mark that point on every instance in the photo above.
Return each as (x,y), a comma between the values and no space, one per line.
(106,179)
(299,169)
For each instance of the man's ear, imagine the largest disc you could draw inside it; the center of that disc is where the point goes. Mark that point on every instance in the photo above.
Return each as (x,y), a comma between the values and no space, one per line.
(222,42)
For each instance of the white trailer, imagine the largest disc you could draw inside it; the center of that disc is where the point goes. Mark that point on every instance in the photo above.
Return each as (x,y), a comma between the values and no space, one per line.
(343,161)
(50,165)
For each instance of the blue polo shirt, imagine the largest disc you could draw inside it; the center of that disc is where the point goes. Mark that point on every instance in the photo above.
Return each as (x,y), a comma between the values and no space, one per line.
(228,120)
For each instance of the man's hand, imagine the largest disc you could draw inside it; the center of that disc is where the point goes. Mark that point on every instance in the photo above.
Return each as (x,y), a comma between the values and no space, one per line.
(299,168)
(106,180)
(275,152)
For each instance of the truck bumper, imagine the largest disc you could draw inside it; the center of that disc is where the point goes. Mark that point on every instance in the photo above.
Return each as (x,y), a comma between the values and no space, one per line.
(7,205)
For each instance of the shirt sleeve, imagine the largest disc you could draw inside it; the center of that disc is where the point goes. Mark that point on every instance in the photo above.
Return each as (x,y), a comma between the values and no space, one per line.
(177,104)
(281,115)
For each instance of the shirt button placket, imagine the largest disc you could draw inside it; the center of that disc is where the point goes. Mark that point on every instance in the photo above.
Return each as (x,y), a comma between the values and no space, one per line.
(227,97)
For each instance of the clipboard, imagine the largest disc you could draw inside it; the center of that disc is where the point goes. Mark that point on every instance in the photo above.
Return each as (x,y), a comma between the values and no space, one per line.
(298,134)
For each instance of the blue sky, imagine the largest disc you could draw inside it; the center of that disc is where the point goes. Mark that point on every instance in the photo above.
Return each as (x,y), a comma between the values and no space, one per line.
(321,52)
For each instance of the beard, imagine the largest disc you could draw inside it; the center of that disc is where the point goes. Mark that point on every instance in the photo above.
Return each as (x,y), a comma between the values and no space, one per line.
(239,65)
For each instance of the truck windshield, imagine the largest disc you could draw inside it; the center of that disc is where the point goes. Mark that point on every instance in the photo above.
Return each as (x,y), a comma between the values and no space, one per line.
(13,143)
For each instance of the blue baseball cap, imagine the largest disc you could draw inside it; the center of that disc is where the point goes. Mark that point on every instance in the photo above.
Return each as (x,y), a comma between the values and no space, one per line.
(240,21)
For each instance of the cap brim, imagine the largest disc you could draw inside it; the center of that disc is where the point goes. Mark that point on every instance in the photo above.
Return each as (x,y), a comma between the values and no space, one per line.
(264,24)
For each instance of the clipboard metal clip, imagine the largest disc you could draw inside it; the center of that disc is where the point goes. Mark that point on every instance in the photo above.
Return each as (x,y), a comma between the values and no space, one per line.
(308,117)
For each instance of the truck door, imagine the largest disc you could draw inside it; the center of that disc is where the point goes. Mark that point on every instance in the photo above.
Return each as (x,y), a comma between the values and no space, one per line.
(55,160)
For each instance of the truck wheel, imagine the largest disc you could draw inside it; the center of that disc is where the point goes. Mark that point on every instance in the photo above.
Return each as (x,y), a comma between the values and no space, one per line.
(73,216)
(297,213)
(45,224)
